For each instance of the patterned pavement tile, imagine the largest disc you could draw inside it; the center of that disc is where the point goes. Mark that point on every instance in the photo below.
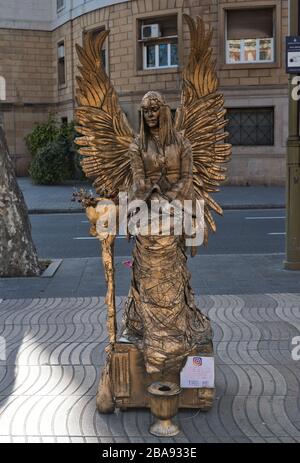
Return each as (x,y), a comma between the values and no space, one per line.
(55,350)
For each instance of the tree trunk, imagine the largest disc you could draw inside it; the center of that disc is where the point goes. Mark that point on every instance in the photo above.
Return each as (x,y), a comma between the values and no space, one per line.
(18,256)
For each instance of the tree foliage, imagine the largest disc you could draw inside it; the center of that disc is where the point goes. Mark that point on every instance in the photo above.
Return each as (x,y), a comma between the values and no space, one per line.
(54,154)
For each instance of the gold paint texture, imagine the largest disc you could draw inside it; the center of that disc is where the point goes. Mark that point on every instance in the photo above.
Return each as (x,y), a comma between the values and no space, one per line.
(181,160)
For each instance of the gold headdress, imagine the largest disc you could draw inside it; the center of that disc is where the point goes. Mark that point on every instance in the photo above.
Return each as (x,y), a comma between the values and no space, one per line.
(167,134)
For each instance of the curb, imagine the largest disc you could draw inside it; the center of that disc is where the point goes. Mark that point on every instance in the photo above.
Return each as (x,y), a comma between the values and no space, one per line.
(56,211)
(252,206)
(225,207)
(50,271)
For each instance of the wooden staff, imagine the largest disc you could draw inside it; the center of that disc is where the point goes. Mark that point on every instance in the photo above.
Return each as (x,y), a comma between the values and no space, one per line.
(90,203)
(108,245)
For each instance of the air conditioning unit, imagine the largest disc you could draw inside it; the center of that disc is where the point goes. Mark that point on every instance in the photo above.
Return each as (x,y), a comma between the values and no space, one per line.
(150,31)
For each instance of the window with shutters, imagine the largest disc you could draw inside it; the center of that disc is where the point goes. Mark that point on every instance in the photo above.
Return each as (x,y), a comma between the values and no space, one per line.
(250,35)
(61,71)
(158,43)
(250,126)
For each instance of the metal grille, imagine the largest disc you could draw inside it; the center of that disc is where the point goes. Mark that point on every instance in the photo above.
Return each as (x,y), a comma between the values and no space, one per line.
(251,126)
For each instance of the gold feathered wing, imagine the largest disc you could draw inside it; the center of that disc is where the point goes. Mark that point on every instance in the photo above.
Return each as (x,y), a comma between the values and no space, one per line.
(201,119)
(106,133)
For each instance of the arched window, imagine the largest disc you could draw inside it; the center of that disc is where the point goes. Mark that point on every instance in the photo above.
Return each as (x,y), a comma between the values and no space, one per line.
(2,89)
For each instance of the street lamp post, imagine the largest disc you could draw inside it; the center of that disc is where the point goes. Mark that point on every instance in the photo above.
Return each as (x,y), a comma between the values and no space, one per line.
(292,261)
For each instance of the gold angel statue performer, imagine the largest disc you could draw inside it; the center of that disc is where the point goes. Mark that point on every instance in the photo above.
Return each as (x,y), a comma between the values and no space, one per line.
(180,160)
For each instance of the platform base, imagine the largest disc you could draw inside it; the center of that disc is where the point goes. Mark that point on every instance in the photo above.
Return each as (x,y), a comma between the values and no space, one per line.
(129,381)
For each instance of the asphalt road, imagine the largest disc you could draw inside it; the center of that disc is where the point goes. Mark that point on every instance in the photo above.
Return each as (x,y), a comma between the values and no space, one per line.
(238,232)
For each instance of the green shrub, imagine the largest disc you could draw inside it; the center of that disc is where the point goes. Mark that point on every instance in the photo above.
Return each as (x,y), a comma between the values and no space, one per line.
(41,135)
(68,133)
(49,166)
(77,172)
(55,157)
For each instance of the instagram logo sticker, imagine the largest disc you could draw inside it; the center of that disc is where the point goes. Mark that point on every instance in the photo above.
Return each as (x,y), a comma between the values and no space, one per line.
(197,361)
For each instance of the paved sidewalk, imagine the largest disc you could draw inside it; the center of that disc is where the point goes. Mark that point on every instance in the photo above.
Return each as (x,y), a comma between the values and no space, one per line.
(43,199)
(55,350)
(55,335)
(211,274)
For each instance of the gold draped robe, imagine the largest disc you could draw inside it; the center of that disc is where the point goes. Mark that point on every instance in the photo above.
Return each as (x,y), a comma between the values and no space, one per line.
(160,315)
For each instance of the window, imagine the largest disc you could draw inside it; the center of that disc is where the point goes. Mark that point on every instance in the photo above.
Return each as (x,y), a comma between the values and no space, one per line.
(251,126)
(61,64)
(94,33)
(60,4)
(163,55)
(158,43)
(250,36)
(2,88)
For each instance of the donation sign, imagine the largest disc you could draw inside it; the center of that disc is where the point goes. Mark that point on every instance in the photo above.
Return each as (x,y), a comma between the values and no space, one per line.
(198,372)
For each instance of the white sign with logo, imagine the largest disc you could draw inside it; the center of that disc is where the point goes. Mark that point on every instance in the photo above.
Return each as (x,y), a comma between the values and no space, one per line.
(198,372)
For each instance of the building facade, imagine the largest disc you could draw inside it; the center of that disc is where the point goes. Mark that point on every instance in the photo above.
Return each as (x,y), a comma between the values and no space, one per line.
(146,49)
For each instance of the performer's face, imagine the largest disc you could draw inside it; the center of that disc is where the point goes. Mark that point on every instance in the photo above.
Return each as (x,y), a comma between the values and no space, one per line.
(151,113)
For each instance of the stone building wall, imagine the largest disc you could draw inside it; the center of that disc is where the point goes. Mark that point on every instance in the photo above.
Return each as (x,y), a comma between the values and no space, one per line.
(26,65)
(32,82)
